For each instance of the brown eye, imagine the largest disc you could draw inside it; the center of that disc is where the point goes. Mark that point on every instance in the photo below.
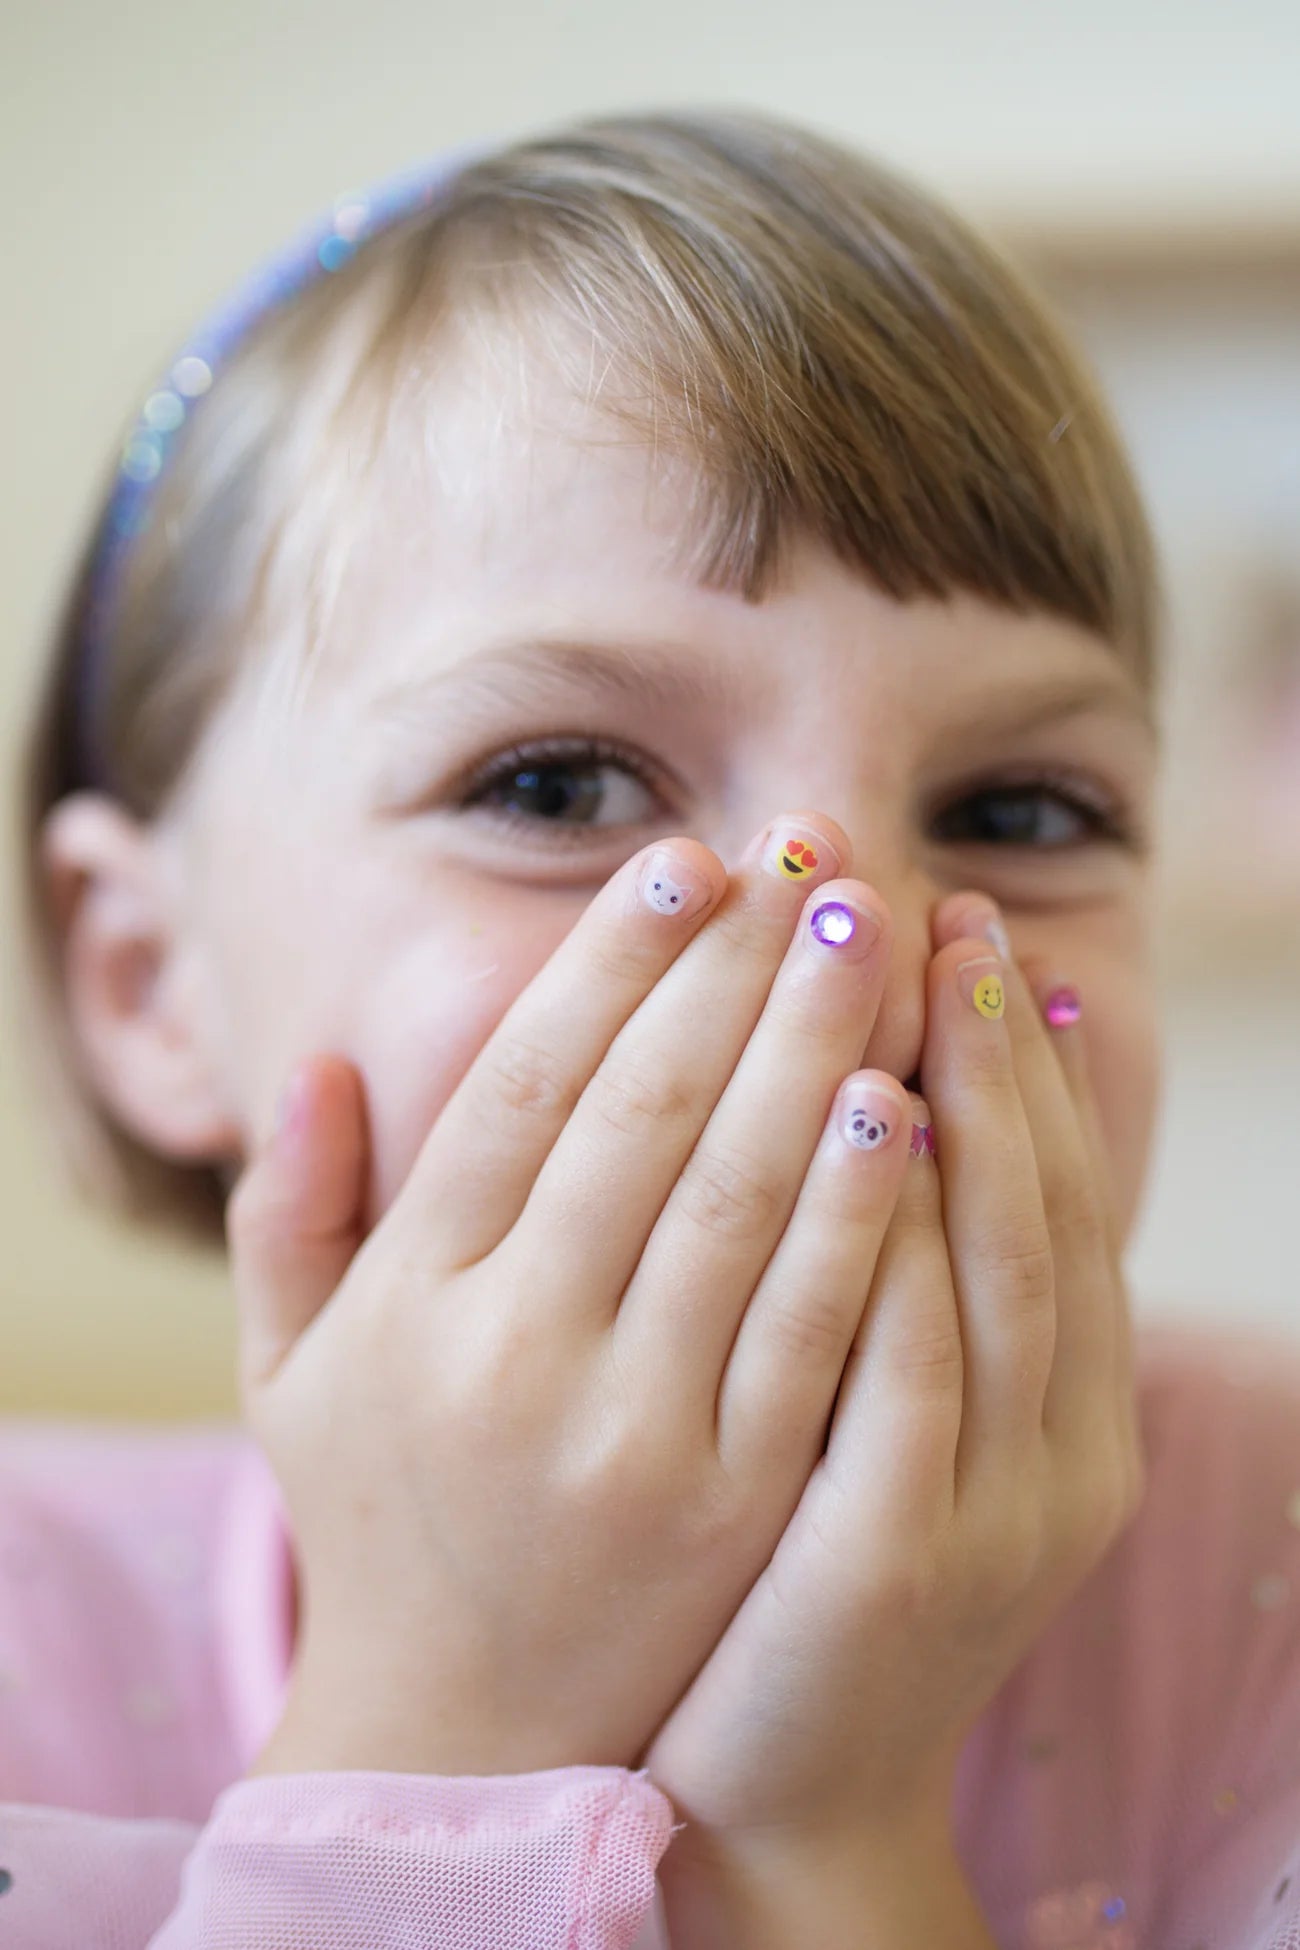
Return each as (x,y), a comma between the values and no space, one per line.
(1037,815)
(564,787)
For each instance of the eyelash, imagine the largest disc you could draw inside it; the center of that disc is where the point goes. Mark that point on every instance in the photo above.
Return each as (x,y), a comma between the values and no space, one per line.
(1105,822)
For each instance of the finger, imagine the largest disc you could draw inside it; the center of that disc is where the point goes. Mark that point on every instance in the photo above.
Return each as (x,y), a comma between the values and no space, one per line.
(1079,1403)
(477,1165)
(1061,1009)
(892,1447)
(733,1193)
(998,1241)
(294,1220)
(778,1386)
(613,1167)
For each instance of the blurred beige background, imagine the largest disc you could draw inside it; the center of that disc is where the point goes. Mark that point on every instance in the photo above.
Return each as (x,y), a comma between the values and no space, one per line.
(1144,158)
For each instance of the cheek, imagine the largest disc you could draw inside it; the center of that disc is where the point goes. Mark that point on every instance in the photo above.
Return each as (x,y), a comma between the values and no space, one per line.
(425,1017)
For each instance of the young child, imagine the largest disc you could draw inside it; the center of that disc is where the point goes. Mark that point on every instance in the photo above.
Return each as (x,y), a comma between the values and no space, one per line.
(624,670)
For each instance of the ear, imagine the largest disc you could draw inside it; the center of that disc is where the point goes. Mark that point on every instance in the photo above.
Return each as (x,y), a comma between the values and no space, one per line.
(143,1014)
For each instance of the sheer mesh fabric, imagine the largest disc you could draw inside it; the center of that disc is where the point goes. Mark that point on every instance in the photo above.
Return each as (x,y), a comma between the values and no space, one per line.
(1135,1784)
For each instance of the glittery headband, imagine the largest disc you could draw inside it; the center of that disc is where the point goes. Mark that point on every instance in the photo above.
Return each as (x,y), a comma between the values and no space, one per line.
(325,246)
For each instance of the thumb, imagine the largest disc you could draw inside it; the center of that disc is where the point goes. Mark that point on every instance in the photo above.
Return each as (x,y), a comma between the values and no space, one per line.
(294,1219)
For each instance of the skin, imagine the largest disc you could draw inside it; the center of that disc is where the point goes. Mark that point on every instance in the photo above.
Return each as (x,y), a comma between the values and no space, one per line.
(325,884)
(322,885)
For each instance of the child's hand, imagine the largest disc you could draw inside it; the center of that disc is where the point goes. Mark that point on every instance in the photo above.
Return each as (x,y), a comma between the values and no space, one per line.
(545,1434)
(984,1454)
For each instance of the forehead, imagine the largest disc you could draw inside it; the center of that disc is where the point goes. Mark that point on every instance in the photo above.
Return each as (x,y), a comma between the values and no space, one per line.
(511,462)
(509,501)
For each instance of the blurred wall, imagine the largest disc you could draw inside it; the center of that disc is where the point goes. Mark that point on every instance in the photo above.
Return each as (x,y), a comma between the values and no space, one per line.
(151,153)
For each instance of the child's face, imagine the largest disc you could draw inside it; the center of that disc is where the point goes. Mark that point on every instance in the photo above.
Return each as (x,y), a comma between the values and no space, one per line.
(341,893)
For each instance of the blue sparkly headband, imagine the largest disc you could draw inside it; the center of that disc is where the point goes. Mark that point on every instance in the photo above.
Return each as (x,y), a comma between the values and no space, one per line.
(326,245)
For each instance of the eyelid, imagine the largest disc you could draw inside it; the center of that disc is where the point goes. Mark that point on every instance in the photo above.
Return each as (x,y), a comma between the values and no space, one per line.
(554,749)
(1114,814)
(1110,816)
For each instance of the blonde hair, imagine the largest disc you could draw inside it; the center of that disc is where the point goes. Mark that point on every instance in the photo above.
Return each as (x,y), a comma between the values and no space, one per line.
(832,349)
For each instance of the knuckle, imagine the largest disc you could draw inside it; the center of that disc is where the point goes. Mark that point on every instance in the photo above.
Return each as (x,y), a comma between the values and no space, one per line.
(1094,1510)
(1020,1260)
(740,930)
(1015,1560)
(814,1027)
(628,1096)
(626,958)
(728,1195)
(926,1351)
(1076,1211)
(808,1328)
(986,1086)
(480,1386)
(529,1078)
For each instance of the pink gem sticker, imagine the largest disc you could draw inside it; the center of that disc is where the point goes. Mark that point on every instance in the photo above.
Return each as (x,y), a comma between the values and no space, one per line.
(1062,1007)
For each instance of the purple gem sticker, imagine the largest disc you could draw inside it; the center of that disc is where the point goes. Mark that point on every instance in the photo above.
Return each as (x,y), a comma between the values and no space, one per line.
(833,923)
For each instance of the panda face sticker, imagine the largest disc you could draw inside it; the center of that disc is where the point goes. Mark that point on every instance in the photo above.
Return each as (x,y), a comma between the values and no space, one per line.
(864,1130)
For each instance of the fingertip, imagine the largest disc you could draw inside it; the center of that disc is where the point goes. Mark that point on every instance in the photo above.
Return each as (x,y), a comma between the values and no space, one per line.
(293,1110)
(887,1084)
(1061,1005)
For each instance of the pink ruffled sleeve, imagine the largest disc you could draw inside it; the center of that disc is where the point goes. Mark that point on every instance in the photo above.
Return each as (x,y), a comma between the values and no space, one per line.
(561,1860)
(145,1636)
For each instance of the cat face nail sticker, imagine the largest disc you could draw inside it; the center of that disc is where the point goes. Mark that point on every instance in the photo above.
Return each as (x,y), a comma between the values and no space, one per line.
(668,890)
(665,895)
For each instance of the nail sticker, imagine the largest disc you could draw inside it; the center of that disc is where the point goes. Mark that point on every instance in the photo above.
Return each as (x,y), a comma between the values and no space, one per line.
(988,997)
(797,860)
(1063,1006)
(922,1140)
(666,895)
(864,1130)
(834,922)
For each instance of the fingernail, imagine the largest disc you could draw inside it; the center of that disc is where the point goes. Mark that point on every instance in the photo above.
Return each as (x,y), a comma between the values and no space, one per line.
(980,984)
(844,926)
(868,1115)
(790,851)
(921,1144)
(994,930)
(671,888)
(986,921)
(290,1111)
(1063,1006)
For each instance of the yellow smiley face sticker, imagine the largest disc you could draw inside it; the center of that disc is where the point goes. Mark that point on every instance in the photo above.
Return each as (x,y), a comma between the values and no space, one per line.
(989,999)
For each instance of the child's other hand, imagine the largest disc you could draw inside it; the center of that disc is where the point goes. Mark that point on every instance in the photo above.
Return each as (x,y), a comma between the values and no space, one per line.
(984,1454)
(539,1433)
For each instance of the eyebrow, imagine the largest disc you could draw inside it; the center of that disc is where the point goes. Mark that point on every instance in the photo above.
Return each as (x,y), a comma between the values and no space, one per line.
(1066,697)
(540,674)
(656,676)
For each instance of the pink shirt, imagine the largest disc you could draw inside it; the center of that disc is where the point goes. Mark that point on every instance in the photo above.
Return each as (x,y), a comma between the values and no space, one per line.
(1135,1784)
